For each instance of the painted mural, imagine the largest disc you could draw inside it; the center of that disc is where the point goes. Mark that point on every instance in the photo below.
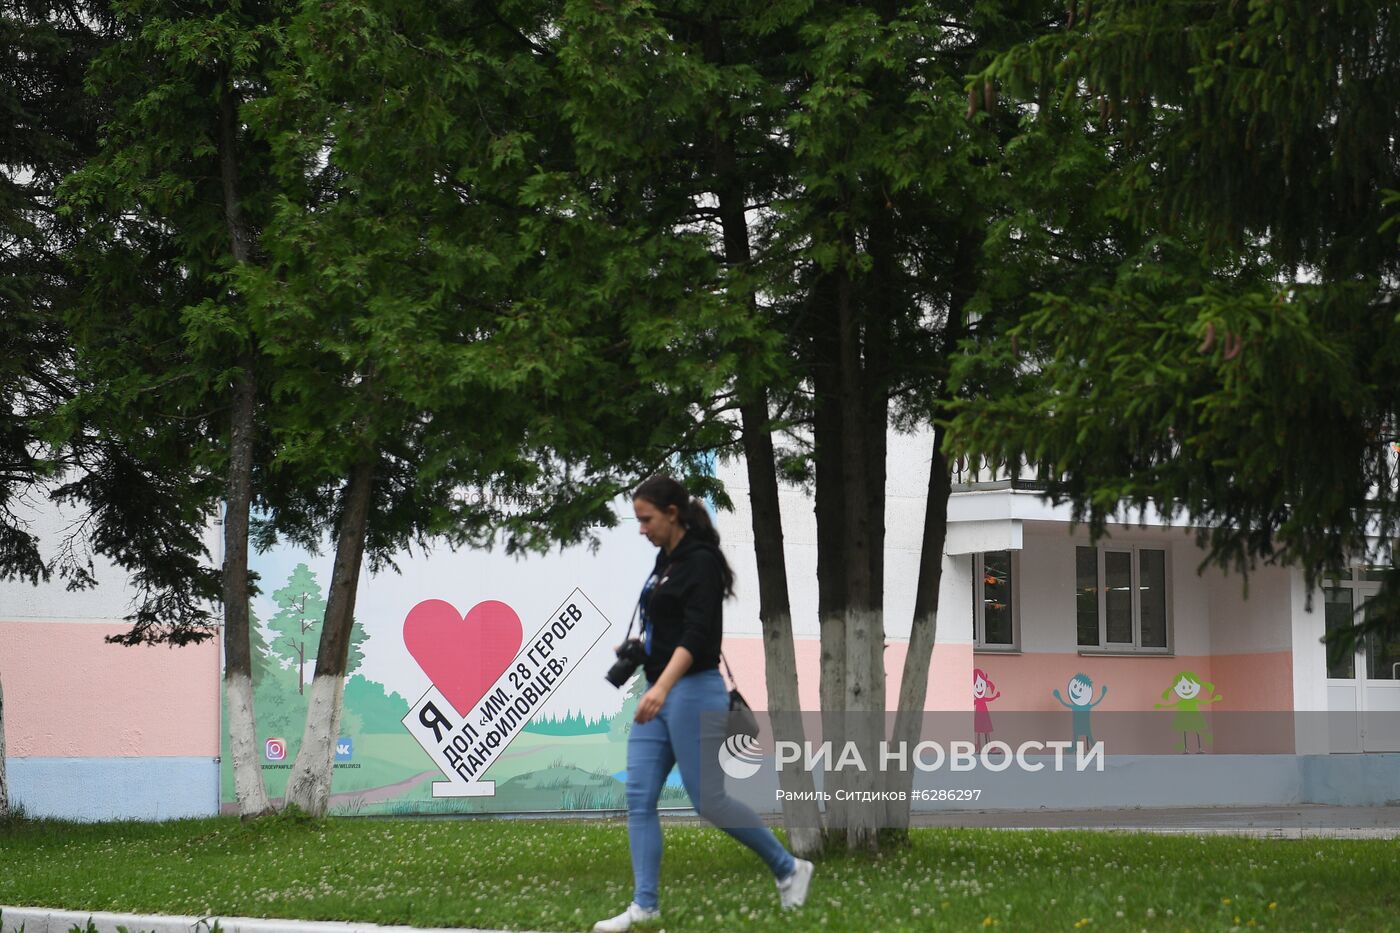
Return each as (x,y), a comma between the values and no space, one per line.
(475,681)
(1081,703)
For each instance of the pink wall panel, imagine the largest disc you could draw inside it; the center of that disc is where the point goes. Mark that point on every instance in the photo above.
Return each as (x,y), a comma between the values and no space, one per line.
(948,676)
(1254,715)
(946,684)
(70,694)
(1261,681)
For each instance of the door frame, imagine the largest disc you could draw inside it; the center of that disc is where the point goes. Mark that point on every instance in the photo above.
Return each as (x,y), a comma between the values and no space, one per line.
(1361,590)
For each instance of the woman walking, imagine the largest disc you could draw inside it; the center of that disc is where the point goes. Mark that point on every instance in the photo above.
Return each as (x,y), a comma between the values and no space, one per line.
(682,624)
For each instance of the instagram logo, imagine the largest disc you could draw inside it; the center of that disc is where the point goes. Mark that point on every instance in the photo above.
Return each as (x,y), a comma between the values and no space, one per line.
(276,749)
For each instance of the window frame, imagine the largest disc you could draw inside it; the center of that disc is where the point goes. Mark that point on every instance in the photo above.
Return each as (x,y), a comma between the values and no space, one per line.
(1346,586)
(1135,647)
(979,620)
(1360,588)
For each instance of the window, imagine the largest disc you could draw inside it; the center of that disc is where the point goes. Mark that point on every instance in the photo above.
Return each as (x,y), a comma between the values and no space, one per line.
(994,601)
(1342,598)
(1120,598)
(1337,613)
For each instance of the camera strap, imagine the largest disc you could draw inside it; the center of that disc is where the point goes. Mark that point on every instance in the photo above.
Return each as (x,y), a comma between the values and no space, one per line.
(733,684)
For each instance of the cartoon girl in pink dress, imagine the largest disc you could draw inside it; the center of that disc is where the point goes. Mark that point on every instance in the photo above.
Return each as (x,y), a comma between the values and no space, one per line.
(983,692)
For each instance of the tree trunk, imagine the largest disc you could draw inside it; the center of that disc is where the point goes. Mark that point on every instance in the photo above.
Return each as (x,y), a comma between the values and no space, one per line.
(801,815)
(913,683)
(309,786)
(875,400)
(831,523)
(864,629)
(248,785)
(4,783)
(885,291)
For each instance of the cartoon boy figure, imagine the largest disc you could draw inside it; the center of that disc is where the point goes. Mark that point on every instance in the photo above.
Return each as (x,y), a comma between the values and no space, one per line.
(1081,701)
(1191,693)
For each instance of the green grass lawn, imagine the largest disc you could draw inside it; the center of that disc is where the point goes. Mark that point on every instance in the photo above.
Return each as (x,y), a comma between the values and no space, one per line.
(557,875)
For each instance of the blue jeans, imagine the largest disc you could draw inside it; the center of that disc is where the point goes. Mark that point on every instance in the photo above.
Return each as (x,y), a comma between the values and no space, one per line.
(674,737)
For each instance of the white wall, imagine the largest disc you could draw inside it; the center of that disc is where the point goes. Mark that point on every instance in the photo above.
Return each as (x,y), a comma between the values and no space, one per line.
(1047,567)
(52,601)
(905,488)
(1209,613)
(1263,622)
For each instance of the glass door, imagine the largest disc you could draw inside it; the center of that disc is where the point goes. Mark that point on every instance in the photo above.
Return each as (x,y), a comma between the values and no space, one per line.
(1343,689)
(1378,677)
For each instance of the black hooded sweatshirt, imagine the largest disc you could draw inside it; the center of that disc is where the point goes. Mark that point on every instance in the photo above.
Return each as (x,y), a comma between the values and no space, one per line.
(685,606)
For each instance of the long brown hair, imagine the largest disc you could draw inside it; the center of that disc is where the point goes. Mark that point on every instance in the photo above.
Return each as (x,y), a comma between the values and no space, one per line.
(664,492)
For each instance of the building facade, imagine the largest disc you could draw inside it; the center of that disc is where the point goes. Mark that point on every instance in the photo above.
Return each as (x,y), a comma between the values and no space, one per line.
(1200,693)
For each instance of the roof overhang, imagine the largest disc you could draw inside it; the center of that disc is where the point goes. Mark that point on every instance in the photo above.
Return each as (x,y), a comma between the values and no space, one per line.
(990,517)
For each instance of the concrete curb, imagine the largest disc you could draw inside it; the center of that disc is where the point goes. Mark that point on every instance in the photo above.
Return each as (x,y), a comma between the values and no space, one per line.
(1303,821)
(1263,832)
(46,920)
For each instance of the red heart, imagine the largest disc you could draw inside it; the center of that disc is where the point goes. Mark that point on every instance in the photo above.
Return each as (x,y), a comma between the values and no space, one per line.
(462,656)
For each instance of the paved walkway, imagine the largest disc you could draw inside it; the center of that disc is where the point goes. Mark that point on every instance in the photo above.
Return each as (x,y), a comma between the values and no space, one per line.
(1304,820)
(44,920)
(1296,822)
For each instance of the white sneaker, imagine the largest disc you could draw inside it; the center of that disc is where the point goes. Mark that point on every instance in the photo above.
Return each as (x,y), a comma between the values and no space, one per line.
(635,913)
(792,890)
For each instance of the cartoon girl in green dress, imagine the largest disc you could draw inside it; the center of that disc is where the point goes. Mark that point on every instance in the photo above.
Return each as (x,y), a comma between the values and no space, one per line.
(1191,694)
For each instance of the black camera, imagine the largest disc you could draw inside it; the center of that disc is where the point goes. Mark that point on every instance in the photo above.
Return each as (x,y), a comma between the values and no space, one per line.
(629,657)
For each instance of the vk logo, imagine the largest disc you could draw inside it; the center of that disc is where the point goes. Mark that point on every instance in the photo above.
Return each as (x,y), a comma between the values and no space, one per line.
(344,749)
